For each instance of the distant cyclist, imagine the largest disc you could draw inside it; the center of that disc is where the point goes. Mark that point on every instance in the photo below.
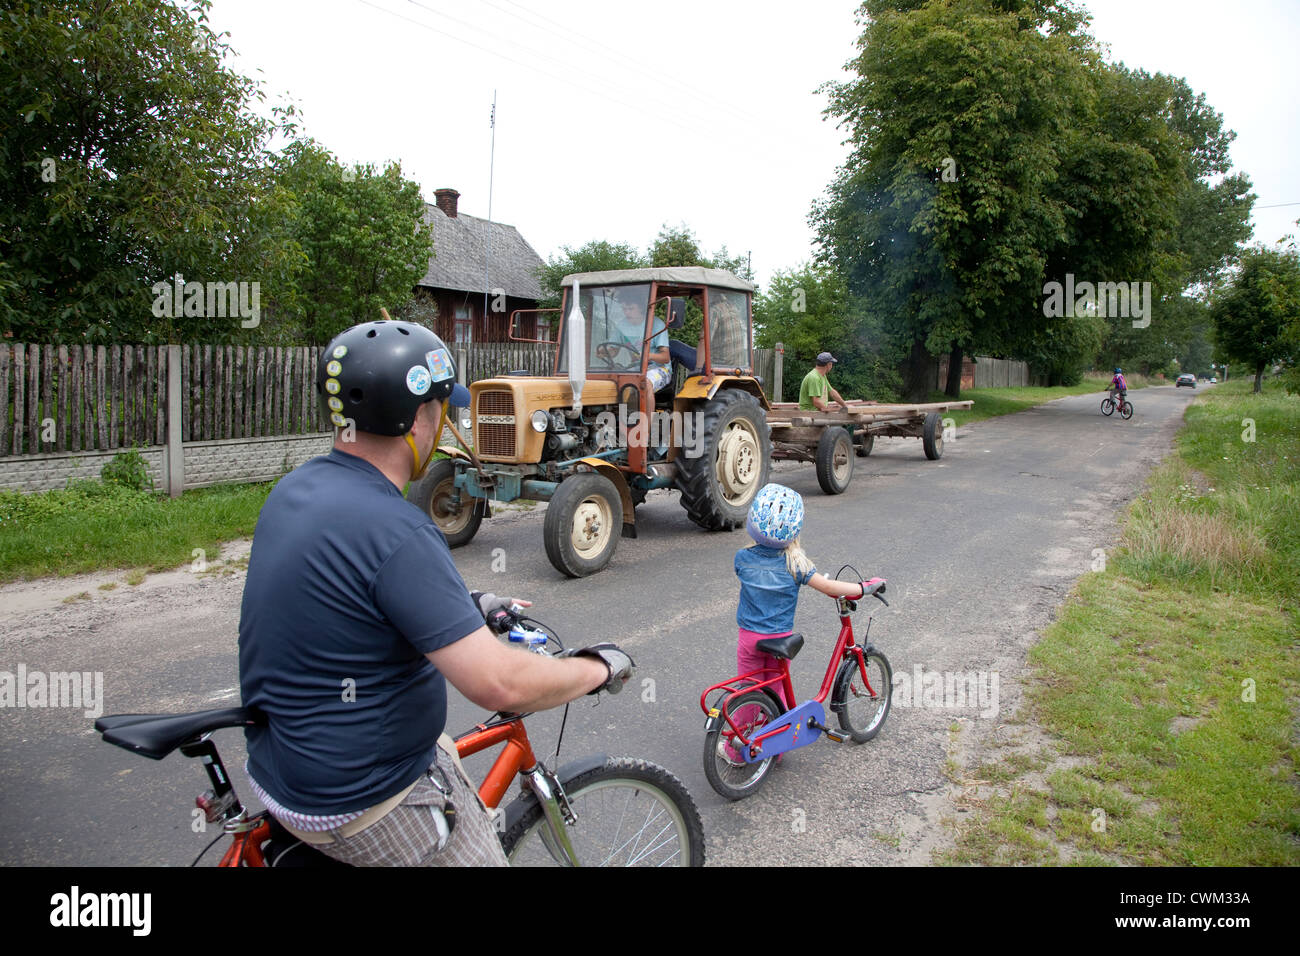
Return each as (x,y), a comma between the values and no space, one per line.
(1118,386)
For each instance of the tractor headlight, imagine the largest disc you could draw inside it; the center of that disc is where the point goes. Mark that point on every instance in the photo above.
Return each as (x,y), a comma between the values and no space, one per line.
(539,420)
(464,419)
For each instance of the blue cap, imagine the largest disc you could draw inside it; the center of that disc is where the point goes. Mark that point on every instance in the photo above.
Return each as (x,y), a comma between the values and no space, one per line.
(459,396)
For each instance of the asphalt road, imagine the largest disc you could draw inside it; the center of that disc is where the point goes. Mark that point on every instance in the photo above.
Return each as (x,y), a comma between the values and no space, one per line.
(979,549)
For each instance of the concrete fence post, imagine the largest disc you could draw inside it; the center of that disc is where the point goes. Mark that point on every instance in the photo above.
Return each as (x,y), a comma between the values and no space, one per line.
(778,368)
(174,452)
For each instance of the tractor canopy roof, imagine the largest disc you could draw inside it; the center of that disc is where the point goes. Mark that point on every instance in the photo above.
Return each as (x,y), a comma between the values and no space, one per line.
(678,275)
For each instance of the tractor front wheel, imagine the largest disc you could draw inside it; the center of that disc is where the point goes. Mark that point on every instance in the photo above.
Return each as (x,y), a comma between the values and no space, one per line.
(583,522)
(457,514)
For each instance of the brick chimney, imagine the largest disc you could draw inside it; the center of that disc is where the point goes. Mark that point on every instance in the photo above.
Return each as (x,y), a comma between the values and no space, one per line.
(445,199)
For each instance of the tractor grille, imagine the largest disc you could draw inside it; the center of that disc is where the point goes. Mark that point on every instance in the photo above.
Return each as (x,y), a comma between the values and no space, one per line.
(495,438)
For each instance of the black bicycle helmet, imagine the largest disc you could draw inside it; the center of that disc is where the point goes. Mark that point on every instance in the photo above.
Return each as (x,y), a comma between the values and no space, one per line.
(379,374)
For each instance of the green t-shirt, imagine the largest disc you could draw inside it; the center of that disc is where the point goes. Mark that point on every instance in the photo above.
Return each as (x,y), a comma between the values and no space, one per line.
(814,384)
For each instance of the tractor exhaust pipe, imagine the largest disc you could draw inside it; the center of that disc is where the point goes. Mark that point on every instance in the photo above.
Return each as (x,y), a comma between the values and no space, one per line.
(576,333)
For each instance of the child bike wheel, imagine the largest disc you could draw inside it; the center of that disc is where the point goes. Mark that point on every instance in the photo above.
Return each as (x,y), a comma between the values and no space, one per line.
(1107,406)
(727,773)
(862,712)
(1127,411)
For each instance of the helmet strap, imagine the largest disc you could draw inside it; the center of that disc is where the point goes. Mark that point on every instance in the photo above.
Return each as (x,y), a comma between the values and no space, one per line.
(418,468)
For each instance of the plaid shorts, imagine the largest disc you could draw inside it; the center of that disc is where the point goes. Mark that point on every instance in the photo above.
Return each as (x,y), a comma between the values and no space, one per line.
(408,834)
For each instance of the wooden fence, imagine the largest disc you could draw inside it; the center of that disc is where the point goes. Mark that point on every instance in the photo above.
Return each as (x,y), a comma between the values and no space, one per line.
(71,398)
(61,398)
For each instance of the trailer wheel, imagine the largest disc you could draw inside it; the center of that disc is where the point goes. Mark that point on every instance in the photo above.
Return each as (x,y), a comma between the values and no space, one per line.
(834,461)
(865,444)
(583,522)
(932,436)
(719,485)
(432,494)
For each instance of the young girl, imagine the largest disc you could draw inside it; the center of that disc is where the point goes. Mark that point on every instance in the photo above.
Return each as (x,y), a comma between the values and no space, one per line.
(771,573)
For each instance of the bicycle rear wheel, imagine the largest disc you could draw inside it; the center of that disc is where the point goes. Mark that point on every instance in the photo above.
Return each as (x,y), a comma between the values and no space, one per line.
(630,813)
(727,773)
(1127,411)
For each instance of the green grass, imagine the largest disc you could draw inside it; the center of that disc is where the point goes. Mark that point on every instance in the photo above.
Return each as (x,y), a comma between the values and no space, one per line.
(95,527)
(992,402)
(1169,681)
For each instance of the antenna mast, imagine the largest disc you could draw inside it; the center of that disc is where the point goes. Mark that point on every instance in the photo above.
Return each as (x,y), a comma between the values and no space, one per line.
(487,258)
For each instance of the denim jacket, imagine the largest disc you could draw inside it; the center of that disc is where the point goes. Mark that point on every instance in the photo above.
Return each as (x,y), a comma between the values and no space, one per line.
(768,592)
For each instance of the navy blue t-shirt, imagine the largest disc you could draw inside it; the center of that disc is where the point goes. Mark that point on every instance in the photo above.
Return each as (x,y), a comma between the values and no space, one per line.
(349,586)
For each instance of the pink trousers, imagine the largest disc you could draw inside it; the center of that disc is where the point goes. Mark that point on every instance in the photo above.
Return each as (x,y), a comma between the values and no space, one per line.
(748,659)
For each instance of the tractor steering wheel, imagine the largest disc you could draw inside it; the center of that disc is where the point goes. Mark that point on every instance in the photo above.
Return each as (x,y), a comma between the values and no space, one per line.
(607,351)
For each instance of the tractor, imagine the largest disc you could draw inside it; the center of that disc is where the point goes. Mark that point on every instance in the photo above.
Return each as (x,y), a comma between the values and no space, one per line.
(630,408)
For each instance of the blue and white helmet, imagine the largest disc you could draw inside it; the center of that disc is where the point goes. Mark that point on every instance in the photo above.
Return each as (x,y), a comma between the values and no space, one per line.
(776,516)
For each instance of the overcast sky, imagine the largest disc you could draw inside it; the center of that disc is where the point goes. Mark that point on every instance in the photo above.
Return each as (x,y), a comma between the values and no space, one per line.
(702,113)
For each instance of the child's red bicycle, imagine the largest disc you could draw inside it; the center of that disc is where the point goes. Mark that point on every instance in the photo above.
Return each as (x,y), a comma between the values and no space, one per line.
(748,726)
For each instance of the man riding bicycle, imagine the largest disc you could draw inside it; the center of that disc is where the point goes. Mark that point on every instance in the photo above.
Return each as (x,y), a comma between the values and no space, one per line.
(354,618)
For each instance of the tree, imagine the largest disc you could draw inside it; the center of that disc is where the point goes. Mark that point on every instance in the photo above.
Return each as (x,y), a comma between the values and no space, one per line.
(1255,314)
(598,255)
(992,149)
(808,310)
(128,154)
(363,238)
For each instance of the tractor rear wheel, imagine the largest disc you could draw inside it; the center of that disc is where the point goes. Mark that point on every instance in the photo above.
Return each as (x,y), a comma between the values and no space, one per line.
(719,484)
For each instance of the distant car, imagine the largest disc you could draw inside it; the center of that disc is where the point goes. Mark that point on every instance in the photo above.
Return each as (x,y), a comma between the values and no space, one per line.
(1214,380)
(1186,380)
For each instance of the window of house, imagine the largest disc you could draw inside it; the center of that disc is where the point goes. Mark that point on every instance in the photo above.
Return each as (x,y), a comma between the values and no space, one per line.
(464,324)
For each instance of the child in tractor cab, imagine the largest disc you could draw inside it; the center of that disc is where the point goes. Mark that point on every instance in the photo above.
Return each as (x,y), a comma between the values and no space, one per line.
(1118,384)
(771,573)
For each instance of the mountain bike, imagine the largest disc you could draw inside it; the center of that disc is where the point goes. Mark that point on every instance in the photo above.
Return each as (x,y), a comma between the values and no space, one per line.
(597,810)
(1108,406)
(747,725)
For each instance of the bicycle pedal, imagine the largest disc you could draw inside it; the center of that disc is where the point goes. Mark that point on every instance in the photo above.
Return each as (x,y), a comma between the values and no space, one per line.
(834,735)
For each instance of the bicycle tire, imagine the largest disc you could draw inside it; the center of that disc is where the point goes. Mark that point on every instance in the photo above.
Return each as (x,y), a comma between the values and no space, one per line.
(1127,411)
(860,715)
(734,779)
(1107,406)
(628,810)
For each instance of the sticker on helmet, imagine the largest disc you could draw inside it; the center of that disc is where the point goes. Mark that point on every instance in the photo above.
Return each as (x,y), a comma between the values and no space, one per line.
(340,351)
(335,404)
(338,419)
(440,364)
(332,386)
(418,380)
(333,368)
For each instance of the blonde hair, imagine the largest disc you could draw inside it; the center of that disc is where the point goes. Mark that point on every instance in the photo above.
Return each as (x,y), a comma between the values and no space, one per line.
(796,561)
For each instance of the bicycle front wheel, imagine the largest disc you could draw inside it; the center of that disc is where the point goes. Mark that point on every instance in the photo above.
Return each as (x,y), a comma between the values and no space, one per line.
(862,709)
(1107,406)
(630,813)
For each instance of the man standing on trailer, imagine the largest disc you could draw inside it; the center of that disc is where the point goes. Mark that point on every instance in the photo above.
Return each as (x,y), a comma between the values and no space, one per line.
(815,388)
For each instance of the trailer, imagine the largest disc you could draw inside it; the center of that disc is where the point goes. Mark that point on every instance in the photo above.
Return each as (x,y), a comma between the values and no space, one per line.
(831,439)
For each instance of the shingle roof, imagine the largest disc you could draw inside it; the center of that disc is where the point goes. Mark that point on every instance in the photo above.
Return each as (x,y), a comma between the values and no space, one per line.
(460,249)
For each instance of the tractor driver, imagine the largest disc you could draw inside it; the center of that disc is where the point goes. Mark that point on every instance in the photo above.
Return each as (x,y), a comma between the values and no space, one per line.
(630,315)
(354,618)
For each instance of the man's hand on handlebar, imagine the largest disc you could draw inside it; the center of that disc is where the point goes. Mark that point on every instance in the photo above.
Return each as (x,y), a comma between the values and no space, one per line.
(497,611)
(618,661)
